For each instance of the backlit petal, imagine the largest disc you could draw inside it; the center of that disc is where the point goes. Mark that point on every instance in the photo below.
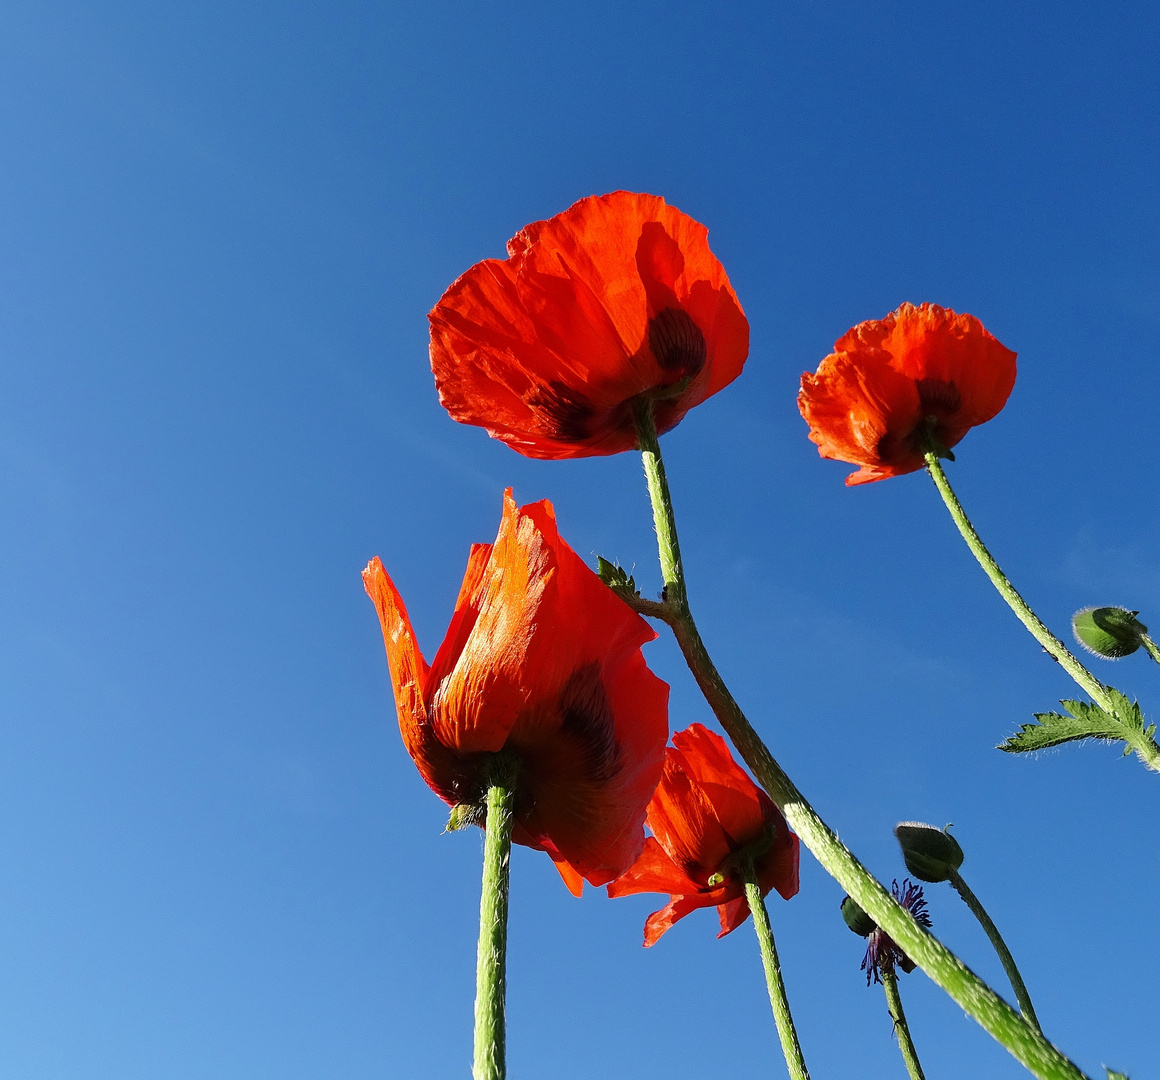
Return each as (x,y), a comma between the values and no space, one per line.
(444,773)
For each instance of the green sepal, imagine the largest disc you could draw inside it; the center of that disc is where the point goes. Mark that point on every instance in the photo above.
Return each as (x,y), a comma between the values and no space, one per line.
(1086,720)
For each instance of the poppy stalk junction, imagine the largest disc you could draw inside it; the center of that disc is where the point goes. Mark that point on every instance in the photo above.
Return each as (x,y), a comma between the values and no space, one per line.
(1004,1024)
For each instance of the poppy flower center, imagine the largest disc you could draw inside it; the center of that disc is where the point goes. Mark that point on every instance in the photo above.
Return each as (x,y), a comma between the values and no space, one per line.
(676,342)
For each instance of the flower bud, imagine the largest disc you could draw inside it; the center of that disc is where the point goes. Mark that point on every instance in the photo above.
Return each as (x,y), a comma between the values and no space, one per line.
(856,919)
(931,854)
(465,814)
(1110,632)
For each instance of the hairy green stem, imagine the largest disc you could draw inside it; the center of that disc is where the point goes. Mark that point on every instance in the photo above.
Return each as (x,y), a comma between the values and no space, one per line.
(491,958)
(1054,647)
(1151,646)
(786,1032)
(901,1027)
(1024,1042)
(1008,961)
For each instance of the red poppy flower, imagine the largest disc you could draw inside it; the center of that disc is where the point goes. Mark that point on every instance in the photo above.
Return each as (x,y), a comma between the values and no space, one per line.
(615,300)
(921,376)
(541,659)
(706,817)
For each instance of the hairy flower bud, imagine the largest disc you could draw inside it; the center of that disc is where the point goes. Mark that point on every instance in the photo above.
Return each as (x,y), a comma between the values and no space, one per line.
(1110,632)
(931,854)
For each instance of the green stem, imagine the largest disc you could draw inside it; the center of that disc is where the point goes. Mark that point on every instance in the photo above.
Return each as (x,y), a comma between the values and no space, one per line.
(1151,646)
(1010,1029)
(1056,648)
(980,913)
(491,958)
(786,1032)
(901,1027)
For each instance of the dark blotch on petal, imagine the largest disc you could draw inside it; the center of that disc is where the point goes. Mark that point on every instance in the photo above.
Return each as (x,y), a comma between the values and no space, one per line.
(588,719)
(891,445)
(676,342)
(567,410)
(938,398)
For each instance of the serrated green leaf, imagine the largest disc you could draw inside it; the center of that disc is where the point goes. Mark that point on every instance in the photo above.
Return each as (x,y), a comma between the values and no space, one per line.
(615,576)
(1053,729)
(1127,712)
(1086,720)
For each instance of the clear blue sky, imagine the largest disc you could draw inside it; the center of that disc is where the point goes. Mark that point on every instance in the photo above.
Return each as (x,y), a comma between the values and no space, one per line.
(221,228)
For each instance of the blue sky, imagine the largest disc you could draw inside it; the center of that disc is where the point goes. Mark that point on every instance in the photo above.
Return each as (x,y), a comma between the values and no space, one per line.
(221,228)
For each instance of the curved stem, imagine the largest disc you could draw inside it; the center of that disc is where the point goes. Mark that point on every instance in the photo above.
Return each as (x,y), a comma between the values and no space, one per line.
(1008,961)
(1151,646)
(786,1032)
(1052,644)
(1025,1043)
(491,958)
(901,1027)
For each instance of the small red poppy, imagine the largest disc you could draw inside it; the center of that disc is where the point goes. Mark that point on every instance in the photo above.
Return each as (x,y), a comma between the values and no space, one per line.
(616,300)
(541,659)
(923,376)
(706,816)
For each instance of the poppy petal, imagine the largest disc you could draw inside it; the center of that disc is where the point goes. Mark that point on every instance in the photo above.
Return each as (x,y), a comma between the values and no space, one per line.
(439,767)
(592,749)
(653,871)
(675,910)
(735,799)
(732,915)
(477,702)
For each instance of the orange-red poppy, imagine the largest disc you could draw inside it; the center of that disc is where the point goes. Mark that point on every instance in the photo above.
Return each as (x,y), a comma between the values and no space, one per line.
(707,817)
(922,377)
(616,300)
(542,660)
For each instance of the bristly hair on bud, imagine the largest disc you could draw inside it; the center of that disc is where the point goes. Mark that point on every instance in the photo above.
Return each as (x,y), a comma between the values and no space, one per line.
(1110,632)
(930,854)
(882,950)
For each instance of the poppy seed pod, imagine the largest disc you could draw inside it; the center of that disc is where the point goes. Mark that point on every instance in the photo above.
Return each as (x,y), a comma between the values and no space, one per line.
(856,919)
(931,854)
(1110,632)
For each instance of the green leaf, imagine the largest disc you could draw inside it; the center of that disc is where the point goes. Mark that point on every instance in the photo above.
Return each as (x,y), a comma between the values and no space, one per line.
(615,576)
(1113,1075)
(1087,721)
